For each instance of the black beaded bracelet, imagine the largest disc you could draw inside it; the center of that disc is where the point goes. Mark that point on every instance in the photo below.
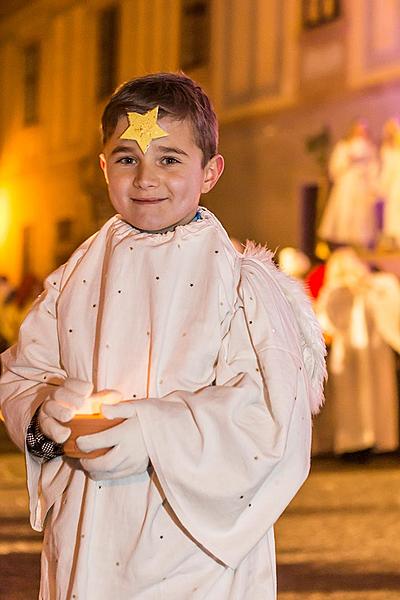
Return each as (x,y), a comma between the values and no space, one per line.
(40,445)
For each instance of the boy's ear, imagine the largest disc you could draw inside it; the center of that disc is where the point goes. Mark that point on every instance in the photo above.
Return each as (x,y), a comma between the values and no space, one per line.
(212,172)
(103,166)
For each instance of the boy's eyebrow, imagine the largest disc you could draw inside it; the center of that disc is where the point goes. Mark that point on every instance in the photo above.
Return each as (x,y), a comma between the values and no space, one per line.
(125,148)
(172,149)
(121,148)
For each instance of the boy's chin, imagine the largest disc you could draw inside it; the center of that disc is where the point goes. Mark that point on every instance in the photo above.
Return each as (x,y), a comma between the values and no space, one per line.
(161,226)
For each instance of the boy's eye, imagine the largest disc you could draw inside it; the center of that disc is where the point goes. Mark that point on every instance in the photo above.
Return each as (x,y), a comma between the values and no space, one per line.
(169,160)
(127,160)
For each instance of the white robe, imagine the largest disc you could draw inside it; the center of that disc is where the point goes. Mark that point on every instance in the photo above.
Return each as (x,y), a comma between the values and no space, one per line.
(349,216)
(362,399)
(224,357)
(390,190)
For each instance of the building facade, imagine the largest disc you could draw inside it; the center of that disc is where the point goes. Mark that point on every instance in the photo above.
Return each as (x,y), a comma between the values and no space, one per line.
(281,74)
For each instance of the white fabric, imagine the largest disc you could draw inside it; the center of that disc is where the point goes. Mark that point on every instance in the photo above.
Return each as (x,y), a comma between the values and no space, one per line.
(357,309)
(383,297)
(349,216)
(390,190)
(223,357)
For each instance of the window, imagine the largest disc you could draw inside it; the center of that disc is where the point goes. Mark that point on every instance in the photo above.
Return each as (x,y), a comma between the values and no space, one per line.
(195,34)
(320,12)
(107,43)
(31,83)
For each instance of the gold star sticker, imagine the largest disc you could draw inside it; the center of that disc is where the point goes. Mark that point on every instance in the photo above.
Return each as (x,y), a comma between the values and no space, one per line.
(143,128)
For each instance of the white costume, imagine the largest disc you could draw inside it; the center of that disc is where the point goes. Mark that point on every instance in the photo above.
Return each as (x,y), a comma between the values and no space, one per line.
(389,187)
(360,312)
(349,216)
(225,358)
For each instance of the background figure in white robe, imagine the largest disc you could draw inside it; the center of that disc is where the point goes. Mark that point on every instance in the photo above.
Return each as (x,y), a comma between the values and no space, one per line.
(389,184)
(349,215)
(215,356)
(359,311)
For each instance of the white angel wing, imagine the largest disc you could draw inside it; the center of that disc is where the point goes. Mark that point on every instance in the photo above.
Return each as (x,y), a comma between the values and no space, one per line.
(313,346)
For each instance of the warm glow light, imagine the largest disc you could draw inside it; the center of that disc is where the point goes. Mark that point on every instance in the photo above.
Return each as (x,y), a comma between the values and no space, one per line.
(322,250)
(4,215)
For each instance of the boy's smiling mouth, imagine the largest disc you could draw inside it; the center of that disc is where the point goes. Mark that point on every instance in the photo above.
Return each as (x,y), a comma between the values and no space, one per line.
(148,200)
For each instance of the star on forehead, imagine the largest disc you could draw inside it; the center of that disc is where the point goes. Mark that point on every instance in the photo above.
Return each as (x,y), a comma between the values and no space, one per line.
(143,128)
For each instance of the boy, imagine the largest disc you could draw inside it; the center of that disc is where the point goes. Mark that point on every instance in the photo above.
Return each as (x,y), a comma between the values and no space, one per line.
(216,360)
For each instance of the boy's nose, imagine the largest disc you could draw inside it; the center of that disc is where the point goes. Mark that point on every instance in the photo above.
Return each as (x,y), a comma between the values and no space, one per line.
(145,176)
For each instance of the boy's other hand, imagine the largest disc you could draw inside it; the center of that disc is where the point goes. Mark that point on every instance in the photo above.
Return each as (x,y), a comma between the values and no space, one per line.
(60,407)
(128,454)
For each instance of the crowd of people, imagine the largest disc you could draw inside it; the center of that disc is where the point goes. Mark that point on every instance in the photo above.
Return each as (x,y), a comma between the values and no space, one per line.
(358,308)
(358,304)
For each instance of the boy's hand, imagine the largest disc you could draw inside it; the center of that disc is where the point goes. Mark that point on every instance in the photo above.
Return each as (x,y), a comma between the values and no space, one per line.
(128,454)
(60,407)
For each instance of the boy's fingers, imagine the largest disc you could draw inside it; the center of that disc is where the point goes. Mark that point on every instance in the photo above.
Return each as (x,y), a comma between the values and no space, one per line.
(68,398)
(124,410)
(54,430)
(54,409)
(102,464)
(108,396)
(104,439)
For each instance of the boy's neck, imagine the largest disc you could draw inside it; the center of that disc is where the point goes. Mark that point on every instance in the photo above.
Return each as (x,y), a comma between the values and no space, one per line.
(172,227)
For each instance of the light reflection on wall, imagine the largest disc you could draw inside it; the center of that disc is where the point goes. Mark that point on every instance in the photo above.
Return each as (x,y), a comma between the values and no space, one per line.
(5,216)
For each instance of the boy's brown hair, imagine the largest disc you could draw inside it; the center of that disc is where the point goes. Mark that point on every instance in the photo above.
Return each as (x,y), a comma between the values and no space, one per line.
(177,96)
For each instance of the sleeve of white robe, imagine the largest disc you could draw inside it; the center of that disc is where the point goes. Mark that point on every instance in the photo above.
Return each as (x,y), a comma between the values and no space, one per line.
(339,161)
(232,456)
(30,370)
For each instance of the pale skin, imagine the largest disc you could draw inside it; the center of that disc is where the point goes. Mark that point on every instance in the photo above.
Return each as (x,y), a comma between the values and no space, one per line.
(160,189)
(153,192)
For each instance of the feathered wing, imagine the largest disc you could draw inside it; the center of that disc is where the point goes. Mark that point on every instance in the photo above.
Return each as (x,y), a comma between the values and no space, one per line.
(312,342)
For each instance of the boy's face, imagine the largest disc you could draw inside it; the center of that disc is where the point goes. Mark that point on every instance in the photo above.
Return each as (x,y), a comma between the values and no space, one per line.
(161,188)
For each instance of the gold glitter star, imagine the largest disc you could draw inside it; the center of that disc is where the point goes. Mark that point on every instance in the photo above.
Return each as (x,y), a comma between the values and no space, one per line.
(143,128)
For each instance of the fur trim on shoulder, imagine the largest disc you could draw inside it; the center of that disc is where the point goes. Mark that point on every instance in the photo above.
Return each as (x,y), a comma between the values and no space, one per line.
(262,253)
(314,350)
